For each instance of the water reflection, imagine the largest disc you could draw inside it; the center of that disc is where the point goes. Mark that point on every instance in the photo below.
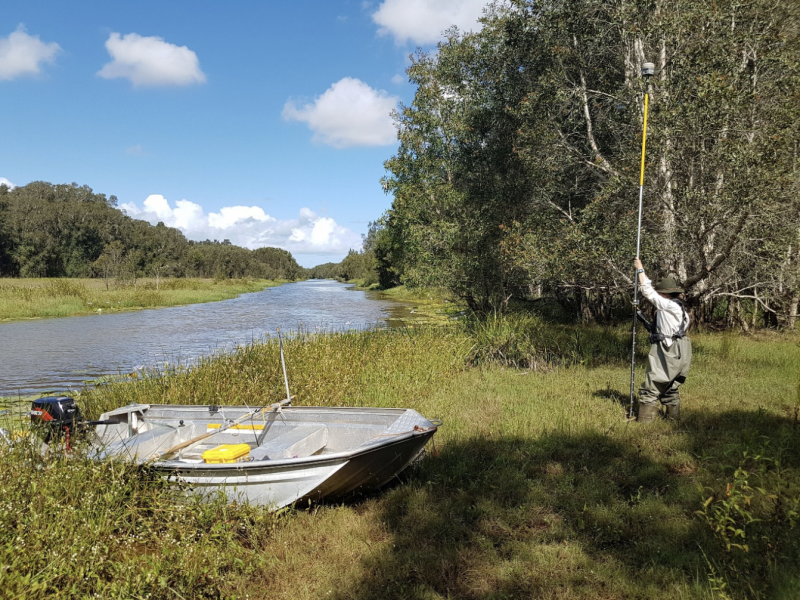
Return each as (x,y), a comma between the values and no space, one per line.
(59,354)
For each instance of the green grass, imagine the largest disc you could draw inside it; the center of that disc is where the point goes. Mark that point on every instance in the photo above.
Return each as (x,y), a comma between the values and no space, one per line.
(15,411)
(422,295)
(364,284)
(536,486)
(430,306)
(47,298)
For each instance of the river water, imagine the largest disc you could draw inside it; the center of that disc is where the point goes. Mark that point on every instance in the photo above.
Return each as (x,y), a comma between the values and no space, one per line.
(56,355)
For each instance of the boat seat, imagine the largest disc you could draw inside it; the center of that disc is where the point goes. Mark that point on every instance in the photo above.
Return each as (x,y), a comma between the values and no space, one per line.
(297,443)
(144,445)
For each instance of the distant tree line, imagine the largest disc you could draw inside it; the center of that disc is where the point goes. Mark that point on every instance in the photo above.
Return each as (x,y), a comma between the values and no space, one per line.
(68,230)
(358,265)
(517,173)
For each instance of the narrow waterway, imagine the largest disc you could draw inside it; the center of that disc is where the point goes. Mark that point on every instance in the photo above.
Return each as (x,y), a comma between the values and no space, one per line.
(61,354)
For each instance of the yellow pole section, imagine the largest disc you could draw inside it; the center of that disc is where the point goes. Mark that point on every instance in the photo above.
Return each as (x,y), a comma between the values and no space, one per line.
(644,137)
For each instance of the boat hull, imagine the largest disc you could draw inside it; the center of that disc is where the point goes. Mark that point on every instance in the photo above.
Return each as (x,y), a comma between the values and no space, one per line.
(385,442)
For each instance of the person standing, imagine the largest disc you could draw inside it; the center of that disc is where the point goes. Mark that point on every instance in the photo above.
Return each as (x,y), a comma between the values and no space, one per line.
(670,350)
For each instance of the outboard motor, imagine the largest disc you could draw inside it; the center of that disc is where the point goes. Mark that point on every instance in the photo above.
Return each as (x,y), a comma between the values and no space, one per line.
(55,416)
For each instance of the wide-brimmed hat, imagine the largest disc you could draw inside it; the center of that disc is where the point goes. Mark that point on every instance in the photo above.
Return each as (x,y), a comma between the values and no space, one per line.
(668,285)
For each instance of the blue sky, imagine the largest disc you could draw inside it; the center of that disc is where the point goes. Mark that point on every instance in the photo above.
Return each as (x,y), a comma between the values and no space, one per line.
(263,122)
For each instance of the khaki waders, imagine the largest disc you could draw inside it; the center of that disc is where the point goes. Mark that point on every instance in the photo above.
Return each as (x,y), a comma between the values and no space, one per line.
(666,371)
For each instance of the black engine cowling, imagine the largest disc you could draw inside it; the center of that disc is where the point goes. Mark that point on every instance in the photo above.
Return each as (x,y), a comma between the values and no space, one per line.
(55,415)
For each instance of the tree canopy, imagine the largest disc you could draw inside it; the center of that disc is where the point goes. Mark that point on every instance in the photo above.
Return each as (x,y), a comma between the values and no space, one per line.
(68,230)
(518,167)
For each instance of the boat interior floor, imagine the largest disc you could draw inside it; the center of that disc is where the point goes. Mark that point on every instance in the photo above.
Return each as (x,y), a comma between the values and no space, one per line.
(297,442)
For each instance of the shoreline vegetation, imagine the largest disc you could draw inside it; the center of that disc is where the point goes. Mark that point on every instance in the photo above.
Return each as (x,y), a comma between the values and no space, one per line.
(512,189)
(37,298)
(536,485)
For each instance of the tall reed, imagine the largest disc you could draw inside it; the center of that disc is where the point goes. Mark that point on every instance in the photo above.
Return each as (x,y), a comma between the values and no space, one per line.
(328,369)
(528,341)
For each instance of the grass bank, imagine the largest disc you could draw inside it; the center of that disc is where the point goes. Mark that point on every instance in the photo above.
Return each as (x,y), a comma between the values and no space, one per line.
(45,298)
(537,487)
(428,306)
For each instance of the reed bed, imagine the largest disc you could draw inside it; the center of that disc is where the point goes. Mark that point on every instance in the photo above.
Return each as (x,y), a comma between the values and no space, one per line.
(536,486)
(47,298)
(351,368)
(528,341)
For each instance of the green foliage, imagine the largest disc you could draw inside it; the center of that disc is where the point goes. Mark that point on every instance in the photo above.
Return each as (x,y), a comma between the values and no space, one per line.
(356,265)
(518,167)
(332,369)
(535,487)
(75,527)
(223,260)
(324,271)
(757,511)
(528,341)
(359,266)
(66,288)
(70,231)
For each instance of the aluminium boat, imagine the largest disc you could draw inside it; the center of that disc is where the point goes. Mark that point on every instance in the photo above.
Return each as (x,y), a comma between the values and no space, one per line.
(272,457)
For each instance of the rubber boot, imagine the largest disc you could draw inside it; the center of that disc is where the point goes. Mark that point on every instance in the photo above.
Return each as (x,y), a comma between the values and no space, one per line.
(647,413)
(673,412)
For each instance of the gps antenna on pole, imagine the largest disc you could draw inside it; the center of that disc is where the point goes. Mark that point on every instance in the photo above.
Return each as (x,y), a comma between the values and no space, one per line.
(647,71)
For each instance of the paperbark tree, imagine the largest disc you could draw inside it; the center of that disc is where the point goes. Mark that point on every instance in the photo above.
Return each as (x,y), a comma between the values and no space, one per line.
(519,158)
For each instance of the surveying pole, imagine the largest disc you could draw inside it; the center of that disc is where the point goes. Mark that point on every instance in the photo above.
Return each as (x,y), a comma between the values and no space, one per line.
(647,71)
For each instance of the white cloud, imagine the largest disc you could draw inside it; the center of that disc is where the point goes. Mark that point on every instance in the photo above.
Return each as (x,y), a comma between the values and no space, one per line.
(135,150)
(228,216)
(349,113)
(399,79)
(23,54)
(4,181)
(424,21)
(150,61)
(250,226)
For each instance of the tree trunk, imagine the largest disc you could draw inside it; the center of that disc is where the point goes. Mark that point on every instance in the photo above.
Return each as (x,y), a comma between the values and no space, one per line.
(792,320)
(740,315)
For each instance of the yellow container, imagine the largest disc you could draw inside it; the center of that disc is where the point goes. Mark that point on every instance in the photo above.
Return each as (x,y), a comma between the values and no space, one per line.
(226,453)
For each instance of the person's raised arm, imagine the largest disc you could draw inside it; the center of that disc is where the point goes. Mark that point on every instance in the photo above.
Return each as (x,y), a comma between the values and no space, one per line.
(639,270)
(646,287)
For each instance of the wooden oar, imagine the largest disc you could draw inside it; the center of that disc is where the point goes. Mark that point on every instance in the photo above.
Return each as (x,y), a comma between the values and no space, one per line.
(204,436)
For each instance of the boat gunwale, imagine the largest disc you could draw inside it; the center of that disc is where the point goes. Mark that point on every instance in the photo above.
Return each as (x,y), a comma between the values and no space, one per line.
(176,466)
(290,408)
(179,466)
